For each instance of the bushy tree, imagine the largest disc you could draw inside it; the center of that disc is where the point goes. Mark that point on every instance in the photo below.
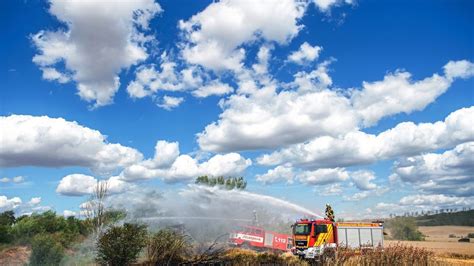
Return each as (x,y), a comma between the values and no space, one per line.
(120,245)
(225,182)
(404,228)
(26,228)
(45,250)
(212,182)
(230,183)
(5,234)
(220,180)
(50,222)
(46,222)
(7,218)
(240,183)
(65,231)
(202,180)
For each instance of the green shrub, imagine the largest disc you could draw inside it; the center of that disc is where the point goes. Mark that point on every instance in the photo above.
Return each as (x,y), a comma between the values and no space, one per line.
(64,230)
(5,234)
(120,245)
(45,251)
(470,235)
(404,228)
(25,229)
(7,218)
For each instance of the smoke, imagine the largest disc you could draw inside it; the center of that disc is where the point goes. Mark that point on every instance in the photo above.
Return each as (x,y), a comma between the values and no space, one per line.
(207,212)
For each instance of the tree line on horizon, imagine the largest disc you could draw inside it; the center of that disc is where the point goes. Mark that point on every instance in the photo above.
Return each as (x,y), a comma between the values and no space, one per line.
(225,182)
(462,217)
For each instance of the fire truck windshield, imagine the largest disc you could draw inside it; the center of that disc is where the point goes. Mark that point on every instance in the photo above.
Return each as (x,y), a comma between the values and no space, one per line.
(302,229)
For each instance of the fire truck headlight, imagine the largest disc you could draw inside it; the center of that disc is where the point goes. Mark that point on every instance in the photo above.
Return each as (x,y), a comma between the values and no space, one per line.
(317,250)
(310,253)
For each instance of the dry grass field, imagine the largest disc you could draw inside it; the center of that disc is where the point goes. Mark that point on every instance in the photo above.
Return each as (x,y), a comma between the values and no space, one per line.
(449,249)
(438,240)
(441,233)
(439,248)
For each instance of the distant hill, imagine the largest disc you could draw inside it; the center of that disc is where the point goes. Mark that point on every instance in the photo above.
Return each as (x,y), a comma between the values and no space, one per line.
(465,218)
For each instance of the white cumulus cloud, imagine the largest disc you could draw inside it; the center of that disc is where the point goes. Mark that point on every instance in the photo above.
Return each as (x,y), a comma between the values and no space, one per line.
(279,173)
(306,53)
(80,185)
(20,207)
(149,81)
(213,88)
(171,166)
(69,213)
(397,93)
(100,39)
(170,102)
(358,148)
(433,200)
(214,35)
(7,204)
(17,179)
(323,176)
(363,179)
(329,190)
(54,142)
(34,201)
(450,172)
(459,69)
(268,118)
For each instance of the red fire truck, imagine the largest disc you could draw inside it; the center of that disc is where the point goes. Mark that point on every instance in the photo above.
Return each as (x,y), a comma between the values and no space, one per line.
(316,239)
(257,238)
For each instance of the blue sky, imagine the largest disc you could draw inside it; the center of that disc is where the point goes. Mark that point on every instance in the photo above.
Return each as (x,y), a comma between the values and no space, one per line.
(367,50)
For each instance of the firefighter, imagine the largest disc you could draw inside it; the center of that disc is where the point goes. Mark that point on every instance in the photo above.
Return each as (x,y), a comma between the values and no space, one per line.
(329,213)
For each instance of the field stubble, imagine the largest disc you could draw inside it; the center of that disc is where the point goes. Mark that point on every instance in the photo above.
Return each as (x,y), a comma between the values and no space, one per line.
(447,249)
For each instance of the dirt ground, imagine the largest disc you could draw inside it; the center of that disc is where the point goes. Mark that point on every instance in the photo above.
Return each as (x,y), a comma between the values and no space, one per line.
(15,256)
